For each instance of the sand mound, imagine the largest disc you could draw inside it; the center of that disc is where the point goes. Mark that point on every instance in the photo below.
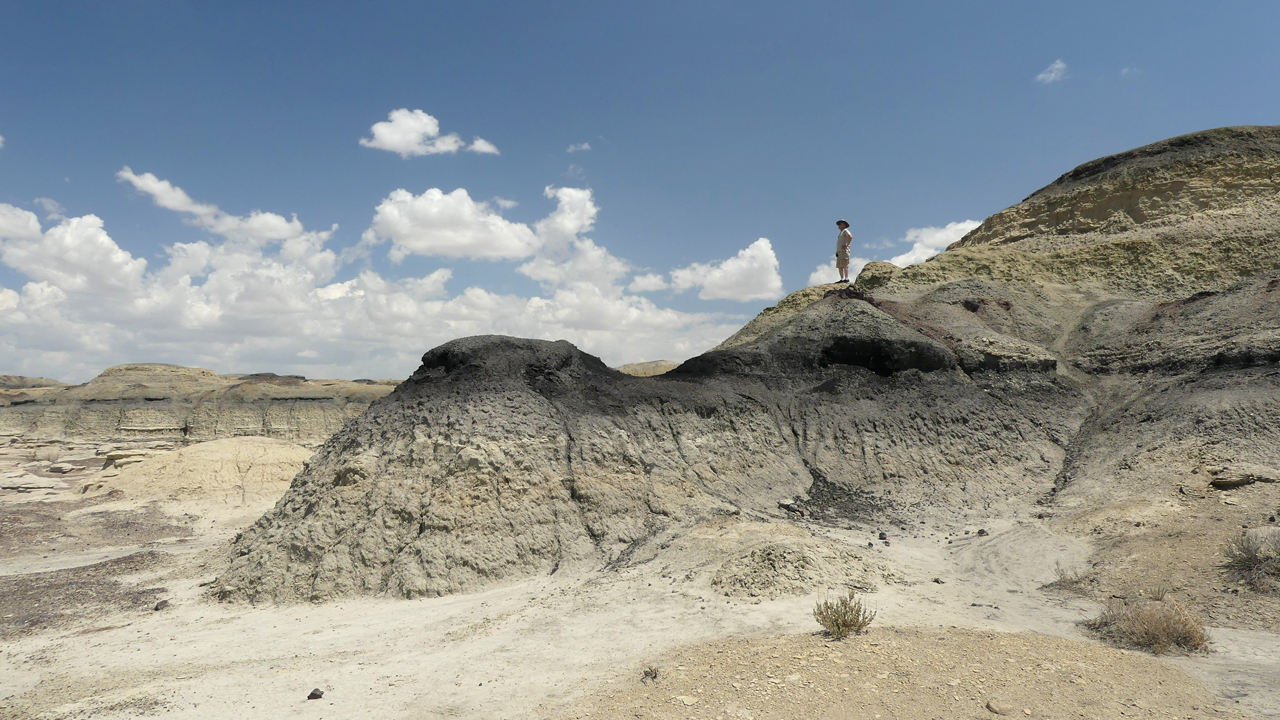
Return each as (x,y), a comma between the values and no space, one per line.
(777,569)
(240,471)
(746,558)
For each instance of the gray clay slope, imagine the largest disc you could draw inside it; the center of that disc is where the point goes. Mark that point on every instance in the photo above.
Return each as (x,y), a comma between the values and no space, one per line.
(976,385)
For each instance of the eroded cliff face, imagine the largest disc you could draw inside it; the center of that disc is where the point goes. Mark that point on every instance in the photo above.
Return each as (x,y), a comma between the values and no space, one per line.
(1210,184)
(130,403)
(504,457)
(1061,359)
(1192,213)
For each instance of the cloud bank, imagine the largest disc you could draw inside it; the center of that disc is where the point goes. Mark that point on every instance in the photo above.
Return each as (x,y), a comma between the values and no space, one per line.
(263,292)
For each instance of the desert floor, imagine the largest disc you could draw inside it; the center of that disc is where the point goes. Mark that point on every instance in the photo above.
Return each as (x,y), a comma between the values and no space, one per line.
(964,628)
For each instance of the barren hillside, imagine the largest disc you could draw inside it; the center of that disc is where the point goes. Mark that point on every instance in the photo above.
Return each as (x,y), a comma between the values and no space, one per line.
(1071,364)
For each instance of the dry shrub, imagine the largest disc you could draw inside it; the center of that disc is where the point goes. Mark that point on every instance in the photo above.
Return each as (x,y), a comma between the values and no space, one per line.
(1150,625)
(1157,592)
(844,615)
(1067,579)
(1254,558)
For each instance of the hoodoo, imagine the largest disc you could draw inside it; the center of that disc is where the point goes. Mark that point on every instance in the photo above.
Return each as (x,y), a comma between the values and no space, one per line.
(1115,330)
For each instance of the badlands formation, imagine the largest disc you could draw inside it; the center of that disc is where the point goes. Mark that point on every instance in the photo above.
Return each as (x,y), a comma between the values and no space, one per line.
(1100,341)
(1088,380)
(179,405)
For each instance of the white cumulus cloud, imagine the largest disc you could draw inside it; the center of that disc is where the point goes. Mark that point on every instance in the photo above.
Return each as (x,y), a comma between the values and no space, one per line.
(649,282)
(413,132)
(829,273)
(261,292)
(575,213)
(482,146)
(583,263)
(1056,71)
(579,147)
(450,225)
(76,256)
(256,227)
(16,223)
(752,274)
(929,241)
(52,208)
(1,141)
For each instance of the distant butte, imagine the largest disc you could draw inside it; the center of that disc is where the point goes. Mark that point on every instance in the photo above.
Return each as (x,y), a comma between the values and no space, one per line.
(170,403)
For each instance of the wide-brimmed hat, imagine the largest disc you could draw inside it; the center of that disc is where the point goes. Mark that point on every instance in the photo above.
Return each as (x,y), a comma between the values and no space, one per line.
(842,222)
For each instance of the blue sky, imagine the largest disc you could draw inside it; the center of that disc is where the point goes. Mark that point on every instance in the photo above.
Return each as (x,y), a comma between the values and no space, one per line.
(154,131)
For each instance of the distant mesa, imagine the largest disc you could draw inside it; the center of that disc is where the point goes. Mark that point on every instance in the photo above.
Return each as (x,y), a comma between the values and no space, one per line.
(648,369)
(18,382)
(159,402)
(1119,326)
(155,372)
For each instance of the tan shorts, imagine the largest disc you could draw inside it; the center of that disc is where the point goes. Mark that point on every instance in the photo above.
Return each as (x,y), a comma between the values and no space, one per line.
(842,261)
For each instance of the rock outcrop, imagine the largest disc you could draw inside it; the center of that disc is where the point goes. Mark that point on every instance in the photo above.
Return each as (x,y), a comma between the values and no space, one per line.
(139,403)
(502,457)
(1057,353)
(1210,187)
(648,369)
(229,473)
(18,382)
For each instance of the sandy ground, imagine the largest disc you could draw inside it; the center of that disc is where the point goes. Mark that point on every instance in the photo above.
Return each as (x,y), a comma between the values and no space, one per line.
(1174,539)
(81,574)
(901,673)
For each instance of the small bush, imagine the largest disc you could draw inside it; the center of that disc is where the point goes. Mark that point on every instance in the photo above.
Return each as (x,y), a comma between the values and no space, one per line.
(1157,592)
(1067,579)
(844,615)
(1155,626)
(1254,558)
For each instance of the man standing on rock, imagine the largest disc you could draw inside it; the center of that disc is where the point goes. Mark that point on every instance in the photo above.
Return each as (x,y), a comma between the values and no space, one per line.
(843,240)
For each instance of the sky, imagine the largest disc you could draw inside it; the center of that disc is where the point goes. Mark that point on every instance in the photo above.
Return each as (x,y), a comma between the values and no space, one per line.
(332,189)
